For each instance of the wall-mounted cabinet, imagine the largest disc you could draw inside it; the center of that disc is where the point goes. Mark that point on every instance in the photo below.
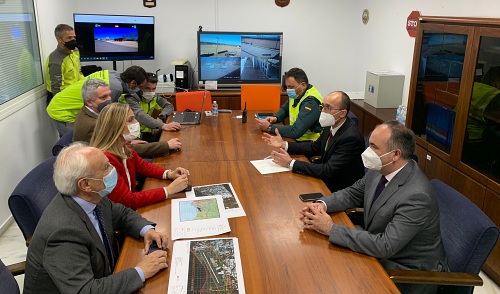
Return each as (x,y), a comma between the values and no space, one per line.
(454,108)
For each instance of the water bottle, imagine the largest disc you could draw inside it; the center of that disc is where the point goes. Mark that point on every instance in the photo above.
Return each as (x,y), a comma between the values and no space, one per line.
(403,114)
(215,108)
(398,113)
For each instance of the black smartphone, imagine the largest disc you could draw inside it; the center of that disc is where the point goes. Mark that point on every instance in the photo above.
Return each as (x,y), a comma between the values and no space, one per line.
(310,196)
(188,188)
(154,247)
(263,115)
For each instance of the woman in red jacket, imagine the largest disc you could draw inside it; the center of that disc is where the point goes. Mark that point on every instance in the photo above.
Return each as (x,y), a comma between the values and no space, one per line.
(115,126)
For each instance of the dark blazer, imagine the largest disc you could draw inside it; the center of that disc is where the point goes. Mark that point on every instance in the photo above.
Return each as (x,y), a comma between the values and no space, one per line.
(84,128)
(402,226)
(341,163)
(66,254)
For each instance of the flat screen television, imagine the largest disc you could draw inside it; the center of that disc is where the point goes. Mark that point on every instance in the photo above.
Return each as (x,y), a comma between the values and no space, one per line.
(114,37)
(236,58)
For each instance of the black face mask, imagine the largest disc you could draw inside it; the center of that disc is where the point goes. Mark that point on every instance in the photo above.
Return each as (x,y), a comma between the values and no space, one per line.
(71,45)
(103,104)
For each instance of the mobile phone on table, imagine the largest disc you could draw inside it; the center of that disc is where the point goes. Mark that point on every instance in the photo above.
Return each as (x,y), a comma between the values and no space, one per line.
(310,196)
(154,247)
(263,115)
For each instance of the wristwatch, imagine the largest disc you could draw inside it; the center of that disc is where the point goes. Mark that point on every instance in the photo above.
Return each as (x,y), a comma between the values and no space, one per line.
(269,128)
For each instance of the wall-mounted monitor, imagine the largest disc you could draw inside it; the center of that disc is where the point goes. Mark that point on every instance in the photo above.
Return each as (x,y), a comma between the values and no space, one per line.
(114,37)
(236,58)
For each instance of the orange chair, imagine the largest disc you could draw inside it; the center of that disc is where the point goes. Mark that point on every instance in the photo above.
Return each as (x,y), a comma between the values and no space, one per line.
(261,97)
(192,101)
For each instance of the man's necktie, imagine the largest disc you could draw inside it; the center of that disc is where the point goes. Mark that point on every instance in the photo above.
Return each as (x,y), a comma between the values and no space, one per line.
(105,239)
(380,188)
(329,140)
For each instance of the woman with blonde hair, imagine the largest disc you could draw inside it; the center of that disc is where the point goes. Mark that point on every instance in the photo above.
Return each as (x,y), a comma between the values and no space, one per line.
(115,126)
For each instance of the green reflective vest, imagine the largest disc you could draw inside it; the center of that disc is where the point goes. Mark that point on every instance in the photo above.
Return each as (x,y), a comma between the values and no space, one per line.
(294,114)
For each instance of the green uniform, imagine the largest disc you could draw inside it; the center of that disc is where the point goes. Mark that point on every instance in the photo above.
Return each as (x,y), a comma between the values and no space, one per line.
(66,104)
(63,69)
(304,114)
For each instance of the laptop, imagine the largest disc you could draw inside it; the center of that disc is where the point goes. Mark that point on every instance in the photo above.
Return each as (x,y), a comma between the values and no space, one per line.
(190,118)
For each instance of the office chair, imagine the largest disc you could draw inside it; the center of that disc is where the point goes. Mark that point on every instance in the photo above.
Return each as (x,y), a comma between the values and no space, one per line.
(192,101)
(7,282)
(31,196)
(468,236)
(64,141)
(352,116)
(261,97)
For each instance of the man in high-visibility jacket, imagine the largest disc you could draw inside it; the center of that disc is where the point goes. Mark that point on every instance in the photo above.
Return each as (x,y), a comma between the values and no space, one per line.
(151,111)
(63,64)
(303,110)
(66,104)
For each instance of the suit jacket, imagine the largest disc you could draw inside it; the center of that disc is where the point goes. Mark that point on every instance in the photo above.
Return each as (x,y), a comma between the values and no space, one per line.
(402,226)
(84,128)
(66,254)
(341,164)
(136,166)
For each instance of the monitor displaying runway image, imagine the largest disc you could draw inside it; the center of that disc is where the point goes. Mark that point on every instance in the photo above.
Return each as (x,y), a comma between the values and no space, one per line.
(115,39)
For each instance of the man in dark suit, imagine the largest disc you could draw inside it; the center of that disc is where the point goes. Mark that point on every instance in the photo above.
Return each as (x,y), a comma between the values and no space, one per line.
(70,251)
(401,214)
(96,94)
(340,146)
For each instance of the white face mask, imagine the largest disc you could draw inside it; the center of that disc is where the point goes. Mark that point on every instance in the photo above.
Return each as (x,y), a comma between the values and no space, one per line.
(326,119)
(135,130)
(148,95)
(372,161)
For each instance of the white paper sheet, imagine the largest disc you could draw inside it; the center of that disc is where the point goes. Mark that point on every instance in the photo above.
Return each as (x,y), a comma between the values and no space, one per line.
(267,166)
(206,266)
(231,202)
(200,217)
(356,95)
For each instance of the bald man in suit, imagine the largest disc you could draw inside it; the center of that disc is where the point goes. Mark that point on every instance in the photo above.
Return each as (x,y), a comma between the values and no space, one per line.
(401,219)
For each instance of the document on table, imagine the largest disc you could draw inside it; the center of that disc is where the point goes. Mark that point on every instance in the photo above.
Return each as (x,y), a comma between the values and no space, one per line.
(230,200)
(206,266)
(267,166)
(200,217)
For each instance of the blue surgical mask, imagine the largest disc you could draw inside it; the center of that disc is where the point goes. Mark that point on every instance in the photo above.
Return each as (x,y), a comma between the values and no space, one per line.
(133,91)
(109,182)
(291,93)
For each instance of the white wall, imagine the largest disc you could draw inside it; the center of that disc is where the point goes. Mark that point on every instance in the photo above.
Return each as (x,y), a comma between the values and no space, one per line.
(324,37)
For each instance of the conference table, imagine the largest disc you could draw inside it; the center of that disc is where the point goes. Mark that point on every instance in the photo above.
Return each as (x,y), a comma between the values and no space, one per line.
(277,254)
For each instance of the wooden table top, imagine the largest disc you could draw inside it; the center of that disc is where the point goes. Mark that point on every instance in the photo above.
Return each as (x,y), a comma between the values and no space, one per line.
(277,254)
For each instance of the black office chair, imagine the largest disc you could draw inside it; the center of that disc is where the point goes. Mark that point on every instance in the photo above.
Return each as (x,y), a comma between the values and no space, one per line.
(31,196)
(468,236)
(7,282)
(64,141)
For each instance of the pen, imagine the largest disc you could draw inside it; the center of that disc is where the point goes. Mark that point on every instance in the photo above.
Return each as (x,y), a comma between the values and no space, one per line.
(269,157)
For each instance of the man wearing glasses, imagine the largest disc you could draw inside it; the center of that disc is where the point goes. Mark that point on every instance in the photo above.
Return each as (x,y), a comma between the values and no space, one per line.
(302,108)
(340,146)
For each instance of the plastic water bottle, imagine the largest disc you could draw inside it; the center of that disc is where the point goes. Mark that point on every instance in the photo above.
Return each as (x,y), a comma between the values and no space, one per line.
(215,108)
(403,115)
(398,113)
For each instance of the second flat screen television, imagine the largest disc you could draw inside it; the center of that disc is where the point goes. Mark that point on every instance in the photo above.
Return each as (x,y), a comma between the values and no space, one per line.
(114,37)
(236,58)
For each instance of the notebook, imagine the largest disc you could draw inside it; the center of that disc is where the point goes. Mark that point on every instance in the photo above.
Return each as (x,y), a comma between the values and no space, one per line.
(190,118)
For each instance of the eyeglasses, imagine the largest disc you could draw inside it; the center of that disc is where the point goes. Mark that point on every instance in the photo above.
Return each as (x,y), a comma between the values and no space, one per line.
(328,107)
